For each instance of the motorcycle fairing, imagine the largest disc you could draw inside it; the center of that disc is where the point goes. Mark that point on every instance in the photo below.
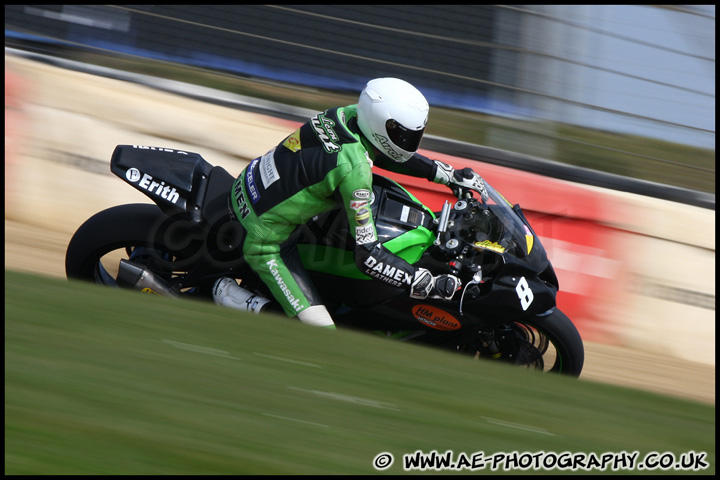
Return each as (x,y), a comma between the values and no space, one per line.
(519,279)
(174,179)
(368,306)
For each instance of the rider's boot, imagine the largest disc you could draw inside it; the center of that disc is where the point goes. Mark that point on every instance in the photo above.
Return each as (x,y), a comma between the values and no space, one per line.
(228,293)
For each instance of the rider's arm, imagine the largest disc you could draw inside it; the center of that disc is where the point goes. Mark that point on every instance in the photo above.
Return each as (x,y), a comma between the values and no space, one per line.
(433,170)
(417,166)
(371,257)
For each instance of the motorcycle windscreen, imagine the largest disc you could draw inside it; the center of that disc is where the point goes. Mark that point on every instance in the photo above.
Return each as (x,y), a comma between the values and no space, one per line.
(496,227)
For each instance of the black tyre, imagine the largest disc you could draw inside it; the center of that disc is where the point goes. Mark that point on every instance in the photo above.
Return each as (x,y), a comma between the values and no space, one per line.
(118,230)
(551,343)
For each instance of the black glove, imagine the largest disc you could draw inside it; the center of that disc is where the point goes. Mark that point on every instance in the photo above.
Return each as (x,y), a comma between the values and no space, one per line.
(462,175)
(425,285)
(446,286)
(459,179)
(422,284)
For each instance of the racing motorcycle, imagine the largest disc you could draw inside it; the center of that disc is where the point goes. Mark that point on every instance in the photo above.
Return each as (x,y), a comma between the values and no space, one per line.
(180,245)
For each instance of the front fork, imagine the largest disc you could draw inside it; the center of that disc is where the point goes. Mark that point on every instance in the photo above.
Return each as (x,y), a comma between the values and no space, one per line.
(498,343)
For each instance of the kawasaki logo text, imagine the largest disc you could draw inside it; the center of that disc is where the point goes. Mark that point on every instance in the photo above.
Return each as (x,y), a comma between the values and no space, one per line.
(294,301)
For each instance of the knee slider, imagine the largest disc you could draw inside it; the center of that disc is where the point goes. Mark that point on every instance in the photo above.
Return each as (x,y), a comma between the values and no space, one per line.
(317,316)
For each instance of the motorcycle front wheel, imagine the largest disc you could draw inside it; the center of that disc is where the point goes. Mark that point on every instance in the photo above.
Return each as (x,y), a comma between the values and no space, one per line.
(550,343)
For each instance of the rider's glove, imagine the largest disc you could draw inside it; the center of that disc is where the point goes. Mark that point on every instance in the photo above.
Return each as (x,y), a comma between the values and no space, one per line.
(422,285)
(464,179)
(446,286)
(425,285)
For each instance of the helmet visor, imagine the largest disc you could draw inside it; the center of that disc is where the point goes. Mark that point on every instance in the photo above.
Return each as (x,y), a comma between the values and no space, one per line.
(408,140)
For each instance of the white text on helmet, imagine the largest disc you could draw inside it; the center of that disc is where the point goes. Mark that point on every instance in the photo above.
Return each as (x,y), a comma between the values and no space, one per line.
(387,147)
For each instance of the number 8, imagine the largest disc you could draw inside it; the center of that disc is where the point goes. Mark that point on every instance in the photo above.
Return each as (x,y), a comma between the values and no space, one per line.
(524,293)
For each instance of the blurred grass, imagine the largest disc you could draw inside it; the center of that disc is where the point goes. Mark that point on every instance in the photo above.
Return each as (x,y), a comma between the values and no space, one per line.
(101,381)
(627,155)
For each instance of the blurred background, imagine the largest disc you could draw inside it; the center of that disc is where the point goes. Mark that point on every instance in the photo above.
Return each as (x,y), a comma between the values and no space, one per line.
(621,89)
(617,99)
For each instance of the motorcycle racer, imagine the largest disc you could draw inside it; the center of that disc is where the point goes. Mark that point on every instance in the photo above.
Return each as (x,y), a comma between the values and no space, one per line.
(329,160)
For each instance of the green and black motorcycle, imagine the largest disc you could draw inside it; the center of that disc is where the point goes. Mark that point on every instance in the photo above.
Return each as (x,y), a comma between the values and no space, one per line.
(180,245)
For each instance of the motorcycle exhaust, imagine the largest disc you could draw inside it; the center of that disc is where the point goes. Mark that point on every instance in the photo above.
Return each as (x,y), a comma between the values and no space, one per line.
(135,276)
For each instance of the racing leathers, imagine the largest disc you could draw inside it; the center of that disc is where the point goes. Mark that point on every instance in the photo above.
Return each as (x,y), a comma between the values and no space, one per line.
(325,161)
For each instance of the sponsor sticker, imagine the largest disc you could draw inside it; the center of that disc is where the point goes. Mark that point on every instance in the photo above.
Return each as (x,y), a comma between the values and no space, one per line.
(323,128)
(435,317)
(394,275)
(147,182)
(529,239)
(362,217)
(159,149)
(252,188)
(294,301)
(242,210)
(133,175)
(488,245)
(292,142)
(361,194)
(364,234)
(268,171)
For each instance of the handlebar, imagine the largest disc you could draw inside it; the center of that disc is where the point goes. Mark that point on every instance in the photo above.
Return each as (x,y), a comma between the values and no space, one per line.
(476,184)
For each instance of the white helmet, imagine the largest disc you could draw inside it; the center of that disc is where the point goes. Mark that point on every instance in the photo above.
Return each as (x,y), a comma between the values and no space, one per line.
(392,114)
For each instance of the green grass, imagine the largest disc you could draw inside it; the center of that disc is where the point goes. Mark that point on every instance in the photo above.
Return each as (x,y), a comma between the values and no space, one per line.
(101,381)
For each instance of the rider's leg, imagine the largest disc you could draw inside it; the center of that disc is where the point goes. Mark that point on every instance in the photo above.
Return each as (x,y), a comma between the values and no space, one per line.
(227,293)
(282,271)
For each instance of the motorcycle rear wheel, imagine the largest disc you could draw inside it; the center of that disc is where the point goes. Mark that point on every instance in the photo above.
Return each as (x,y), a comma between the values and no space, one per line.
(95,249)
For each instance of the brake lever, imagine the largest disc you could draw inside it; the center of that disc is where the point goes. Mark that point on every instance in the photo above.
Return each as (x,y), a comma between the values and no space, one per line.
(476,280)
